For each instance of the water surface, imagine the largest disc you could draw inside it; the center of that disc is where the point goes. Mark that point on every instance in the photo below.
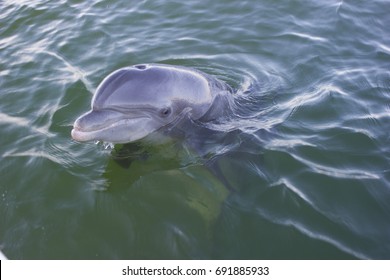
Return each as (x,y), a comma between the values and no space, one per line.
(307,149)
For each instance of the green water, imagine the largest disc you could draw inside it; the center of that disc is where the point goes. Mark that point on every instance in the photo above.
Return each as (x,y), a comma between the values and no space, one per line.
(307,150)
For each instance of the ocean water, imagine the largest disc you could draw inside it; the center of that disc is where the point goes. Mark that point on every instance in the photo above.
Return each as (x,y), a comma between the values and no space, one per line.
(304,161)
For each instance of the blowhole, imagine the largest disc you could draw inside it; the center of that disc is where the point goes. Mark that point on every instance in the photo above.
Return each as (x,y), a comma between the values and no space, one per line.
(141,66)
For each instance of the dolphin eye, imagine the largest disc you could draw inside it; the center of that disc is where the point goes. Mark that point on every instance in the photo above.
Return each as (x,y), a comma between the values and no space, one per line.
(165,112)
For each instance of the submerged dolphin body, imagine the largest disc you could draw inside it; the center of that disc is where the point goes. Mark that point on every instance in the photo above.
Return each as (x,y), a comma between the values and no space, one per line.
(133,102)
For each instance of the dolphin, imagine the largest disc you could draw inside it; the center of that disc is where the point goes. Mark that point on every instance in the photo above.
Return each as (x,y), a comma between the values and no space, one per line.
(133,102)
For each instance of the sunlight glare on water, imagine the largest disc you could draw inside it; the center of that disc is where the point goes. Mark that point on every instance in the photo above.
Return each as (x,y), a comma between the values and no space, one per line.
(299,170)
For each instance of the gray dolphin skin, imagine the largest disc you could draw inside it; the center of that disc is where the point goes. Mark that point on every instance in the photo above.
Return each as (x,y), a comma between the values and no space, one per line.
(135,101)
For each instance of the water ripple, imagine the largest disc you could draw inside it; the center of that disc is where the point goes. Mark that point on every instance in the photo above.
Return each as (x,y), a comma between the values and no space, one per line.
(306,230)
(305,148)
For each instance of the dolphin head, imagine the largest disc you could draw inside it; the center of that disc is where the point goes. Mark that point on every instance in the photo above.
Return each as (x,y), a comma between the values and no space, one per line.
(133,102)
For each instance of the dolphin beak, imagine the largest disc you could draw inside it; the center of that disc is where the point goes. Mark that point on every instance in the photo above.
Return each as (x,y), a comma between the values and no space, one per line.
(112,126)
